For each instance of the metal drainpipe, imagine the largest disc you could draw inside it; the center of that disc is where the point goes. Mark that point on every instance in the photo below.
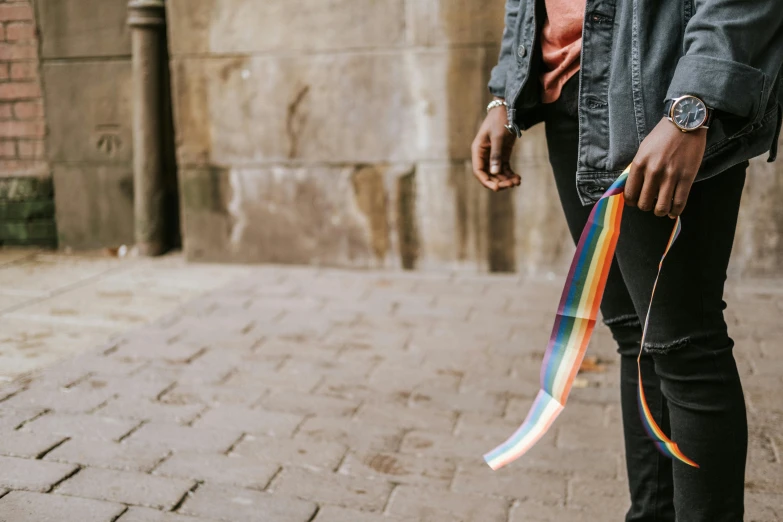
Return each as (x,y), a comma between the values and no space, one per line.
(146,19)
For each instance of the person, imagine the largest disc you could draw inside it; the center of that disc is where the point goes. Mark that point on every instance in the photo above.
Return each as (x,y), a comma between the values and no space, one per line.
(686,92)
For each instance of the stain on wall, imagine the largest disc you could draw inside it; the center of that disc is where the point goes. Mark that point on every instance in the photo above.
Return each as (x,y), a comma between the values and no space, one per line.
(406,220)
(370,192)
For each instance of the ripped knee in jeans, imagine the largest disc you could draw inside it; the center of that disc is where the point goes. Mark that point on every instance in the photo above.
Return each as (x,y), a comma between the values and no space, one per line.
(662,348)
(623,320)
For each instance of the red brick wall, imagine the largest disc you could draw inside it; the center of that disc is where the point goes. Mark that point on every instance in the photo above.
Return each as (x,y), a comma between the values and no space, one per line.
(22,124)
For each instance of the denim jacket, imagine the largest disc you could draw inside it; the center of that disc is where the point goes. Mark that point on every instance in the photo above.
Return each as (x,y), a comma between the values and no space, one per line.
(638,53)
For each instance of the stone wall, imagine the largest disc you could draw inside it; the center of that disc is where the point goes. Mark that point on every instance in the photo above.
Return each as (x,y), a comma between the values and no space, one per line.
(85,54)
(338,133)
(26,206)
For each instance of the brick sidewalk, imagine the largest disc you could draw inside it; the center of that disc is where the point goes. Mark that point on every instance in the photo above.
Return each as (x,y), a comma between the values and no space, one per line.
(296,394)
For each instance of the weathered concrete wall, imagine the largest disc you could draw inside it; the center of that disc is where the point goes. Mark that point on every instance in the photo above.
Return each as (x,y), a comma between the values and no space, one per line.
(85,50)
(338,133)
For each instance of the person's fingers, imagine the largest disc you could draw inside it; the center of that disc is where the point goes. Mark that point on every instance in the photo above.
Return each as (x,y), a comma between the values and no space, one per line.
(680,197)
(496,152)
(652,184)
(634,184)
(665,194)
(504,179)
(479,158)
(514,179)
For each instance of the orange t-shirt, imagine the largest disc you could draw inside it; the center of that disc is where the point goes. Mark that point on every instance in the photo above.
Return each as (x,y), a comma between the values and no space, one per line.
(561,45)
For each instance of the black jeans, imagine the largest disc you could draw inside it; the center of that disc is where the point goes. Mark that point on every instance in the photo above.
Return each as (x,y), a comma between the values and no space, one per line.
(689,373)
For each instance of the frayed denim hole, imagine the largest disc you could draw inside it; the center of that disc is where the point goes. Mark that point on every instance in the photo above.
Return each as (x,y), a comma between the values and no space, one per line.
(665,348)
(623,320)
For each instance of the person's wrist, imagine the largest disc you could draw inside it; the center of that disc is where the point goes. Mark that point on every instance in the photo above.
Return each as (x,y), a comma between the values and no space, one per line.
(495,103)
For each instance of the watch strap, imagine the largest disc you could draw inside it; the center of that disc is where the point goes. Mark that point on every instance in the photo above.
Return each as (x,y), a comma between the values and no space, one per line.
(667,108)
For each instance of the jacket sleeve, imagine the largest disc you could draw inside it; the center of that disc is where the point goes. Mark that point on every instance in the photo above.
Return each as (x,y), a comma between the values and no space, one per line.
(733,53)
(497,81)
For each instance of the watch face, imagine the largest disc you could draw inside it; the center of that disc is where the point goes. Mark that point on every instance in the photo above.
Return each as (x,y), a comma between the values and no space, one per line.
(689,113)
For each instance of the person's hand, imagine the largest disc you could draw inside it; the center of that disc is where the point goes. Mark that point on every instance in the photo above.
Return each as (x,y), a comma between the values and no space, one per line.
(491,152)
(664,169)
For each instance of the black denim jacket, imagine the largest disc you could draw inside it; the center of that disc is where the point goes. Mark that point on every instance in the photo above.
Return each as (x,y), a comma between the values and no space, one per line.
(638,53)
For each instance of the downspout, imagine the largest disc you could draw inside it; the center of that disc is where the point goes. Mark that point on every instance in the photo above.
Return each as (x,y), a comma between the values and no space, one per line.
(146,19)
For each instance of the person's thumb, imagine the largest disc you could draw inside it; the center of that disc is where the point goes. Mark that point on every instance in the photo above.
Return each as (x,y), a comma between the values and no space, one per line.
(496,153)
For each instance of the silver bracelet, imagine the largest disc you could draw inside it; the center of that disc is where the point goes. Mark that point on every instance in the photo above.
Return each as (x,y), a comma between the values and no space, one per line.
(496,103)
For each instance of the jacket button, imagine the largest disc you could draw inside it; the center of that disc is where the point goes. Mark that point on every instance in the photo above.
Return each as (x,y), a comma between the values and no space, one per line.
(521,51)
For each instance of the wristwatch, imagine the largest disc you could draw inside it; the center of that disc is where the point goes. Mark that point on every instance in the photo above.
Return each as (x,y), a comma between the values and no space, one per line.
(688,113)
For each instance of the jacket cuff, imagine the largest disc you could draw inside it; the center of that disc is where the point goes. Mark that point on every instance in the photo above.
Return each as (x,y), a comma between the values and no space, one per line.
(724,85)
(497,82)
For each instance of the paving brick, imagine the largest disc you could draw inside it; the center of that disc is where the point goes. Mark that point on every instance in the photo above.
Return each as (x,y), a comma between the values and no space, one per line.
(298,365)
(238,470)
(148,410)
(399,468)
(183,438)
(126,487)
(33,475)
(81,426)
(299,452)
(58,399)
(510,482)
(338,514)
(531,511)
(24,444)
(760,507)
(489,404)
(458,447)
(242,505)
(144,384)
(332,488)
(349,432)
(93,362)
(584,493)
(12,418)
(248,420)
(150,349)
(369,336)
(309,404)
(140,514)
(598,464)
(408,418)
(251,378)
(493,384)
(411,503)
(356,388)
(24,506)
(389,377)
(211,395)
(576,436)
(124,456)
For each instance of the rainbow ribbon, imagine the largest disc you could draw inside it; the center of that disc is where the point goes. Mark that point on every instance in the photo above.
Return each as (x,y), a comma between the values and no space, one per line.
(576,317)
